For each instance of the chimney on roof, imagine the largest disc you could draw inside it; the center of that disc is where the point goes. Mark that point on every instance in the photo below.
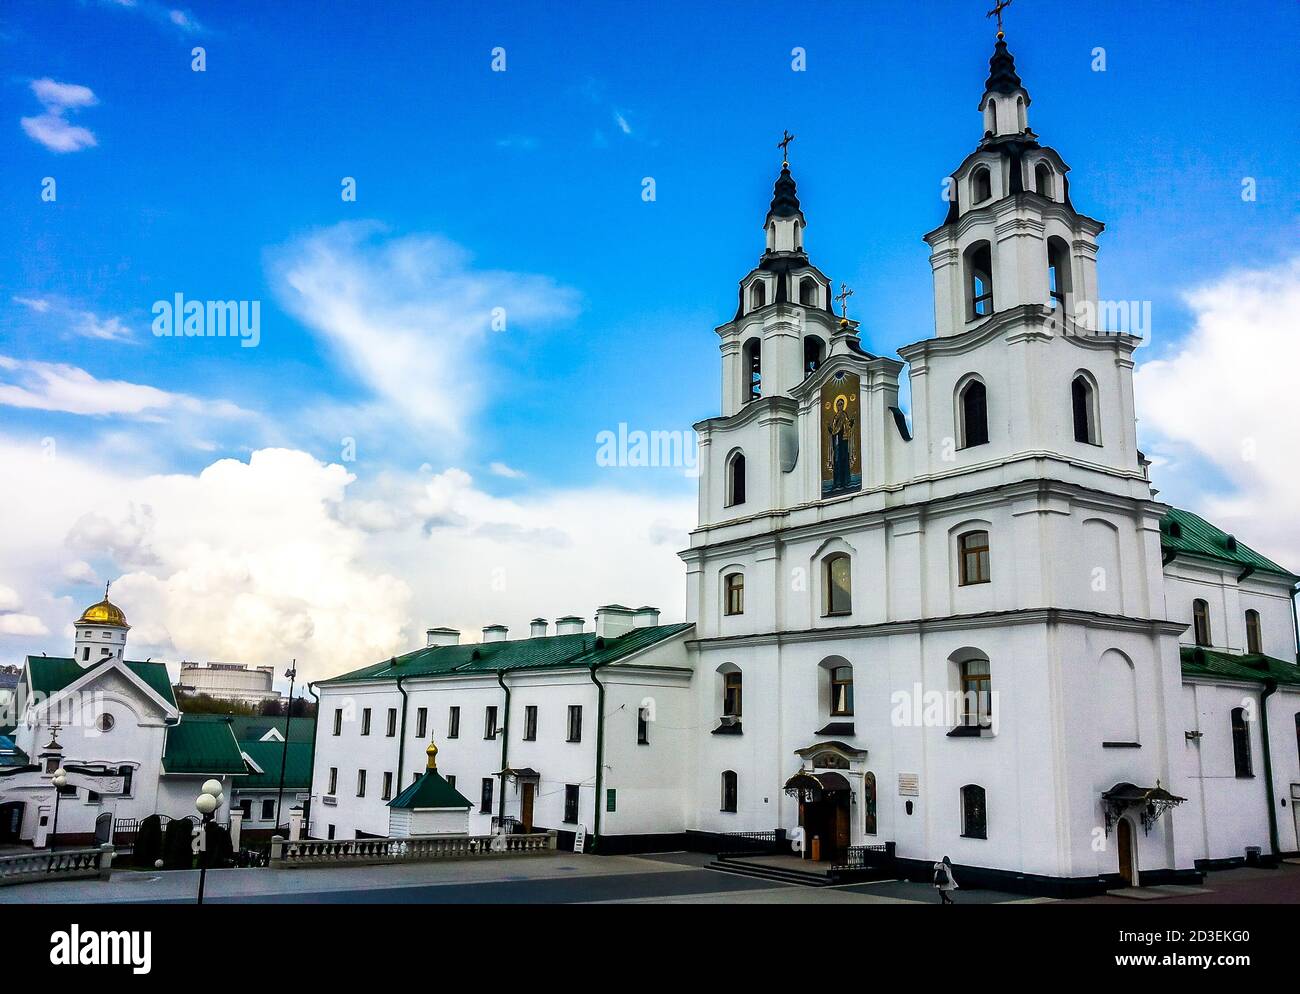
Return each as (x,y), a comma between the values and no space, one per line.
(441,636)
(537,628)
(495,633)
(645,617)
(569,625)
(613,620)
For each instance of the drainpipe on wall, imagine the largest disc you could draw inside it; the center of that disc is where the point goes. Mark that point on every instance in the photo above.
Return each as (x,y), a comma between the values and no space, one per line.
(505,747)
(1270,688)
(311,764)
(401,741)
(600,759)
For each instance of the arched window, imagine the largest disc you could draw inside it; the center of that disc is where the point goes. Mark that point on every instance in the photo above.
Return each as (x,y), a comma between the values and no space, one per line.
(842,691)
(1084,400)
(993,118)
(1253,639)
(976,692)
(1043,180)
(728,790)
(973,558)
(808,292)
(837,581)
(753,369)
(1241,743)
(1058,274)
(1201,622)
(757,295)
(734,589)
(981,185)
(973,411)
(814,353)
(732,684)
(736,479)
(1020,113)
(869,803)
(974,813)
(979,281)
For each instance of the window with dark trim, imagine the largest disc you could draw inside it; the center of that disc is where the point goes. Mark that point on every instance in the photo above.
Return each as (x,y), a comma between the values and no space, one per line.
(731,693)
(388,786)
(734,587)
(453,722)
(973,558)
(338,721)
(490,722)
(1201,622)
(729,790)
(361,783)
(485,796)
(974,414)
(1083,401)
(736,480)
(753,354)
(365,721)
(571,803)
(842,692)
(392,722)
(837,577)
(981,185)
(530,723)
(974,814)
(334,780)
(1253,636)
(268,809)
(976,695)
(979,281)
(421,722)
(1241,743)
(575,723)
(643,726)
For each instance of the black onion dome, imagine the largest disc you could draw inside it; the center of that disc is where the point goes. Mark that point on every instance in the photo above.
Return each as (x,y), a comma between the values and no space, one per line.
(785,202)
(1002,71)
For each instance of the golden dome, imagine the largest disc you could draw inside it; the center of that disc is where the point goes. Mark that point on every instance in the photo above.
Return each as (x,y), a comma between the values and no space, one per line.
(103,613)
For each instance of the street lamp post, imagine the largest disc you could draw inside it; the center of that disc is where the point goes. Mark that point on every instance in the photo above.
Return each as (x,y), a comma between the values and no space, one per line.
(60,781)
(206,803)
(291,673)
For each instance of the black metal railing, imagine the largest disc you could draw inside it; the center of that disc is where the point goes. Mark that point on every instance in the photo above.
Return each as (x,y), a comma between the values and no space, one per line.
(748,844)
(867,858)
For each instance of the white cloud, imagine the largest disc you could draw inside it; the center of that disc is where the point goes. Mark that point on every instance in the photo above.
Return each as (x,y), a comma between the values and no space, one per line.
(80,571)
(82,323)
(160,13)
(1223,396)
(508,472)
(9,599)
(409,315)
(22,624)
(621,121)
(51,128)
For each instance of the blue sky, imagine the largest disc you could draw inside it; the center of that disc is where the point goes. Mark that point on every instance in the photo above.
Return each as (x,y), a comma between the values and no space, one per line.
(226,184)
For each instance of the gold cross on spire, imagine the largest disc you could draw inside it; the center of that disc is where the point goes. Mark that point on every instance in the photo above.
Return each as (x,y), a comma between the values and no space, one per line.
(843,298)
(784,146)
(997,12)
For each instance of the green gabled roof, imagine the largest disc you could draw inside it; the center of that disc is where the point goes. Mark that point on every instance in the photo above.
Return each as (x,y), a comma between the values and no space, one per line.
(1183,531)
(50,674)
(1251,667)
(430,791)
(251,728)
(10,754)
(549,651)
(202,744)
(267,755)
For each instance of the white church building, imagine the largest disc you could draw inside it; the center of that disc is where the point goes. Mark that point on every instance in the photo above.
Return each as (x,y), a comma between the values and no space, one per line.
(971,632)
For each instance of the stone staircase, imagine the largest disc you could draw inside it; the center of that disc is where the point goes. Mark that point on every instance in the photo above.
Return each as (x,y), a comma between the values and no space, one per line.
(776,874)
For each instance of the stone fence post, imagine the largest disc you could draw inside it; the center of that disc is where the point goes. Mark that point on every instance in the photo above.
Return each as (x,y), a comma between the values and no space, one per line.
(277,848)
(105,861)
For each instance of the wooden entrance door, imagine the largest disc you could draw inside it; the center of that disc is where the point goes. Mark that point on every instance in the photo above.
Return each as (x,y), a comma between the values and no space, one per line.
(526,807)
(1124,834)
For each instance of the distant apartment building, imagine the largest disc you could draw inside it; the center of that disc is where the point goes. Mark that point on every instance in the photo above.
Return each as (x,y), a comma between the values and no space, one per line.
(229,681)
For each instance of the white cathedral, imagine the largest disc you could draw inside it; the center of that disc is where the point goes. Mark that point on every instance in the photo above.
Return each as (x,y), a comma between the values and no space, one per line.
(976,635)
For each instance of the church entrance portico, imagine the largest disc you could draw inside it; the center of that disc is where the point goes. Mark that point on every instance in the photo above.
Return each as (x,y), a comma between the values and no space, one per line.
(826,788)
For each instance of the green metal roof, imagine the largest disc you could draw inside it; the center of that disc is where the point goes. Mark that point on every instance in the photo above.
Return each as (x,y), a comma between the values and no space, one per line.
(1183,531)
(1251,667)
(267,755)
(550,651)
(202,744)
(50,674)
(430,791)
(10,754)
(251,728)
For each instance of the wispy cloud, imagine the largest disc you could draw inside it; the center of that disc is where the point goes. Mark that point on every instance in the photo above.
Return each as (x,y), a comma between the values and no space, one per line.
(52,128)
(410,316)
(160,13)
(508,472)
(83,323)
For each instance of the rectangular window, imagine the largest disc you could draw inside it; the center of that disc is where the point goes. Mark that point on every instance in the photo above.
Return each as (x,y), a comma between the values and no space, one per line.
(611,799)
(128,780)
(530,723)
(453,723)
(731,686)
(365,721)
(330,833)
(974,552)
(450,778)
(643,726)
(421,722)
(485,801)
(729,791)
(246,807)
(490,722)
(392,722)
(571,803)
(388,786)
(338,721)
(575,722)
(268,810)
(361,783)
(334,780)
(734,585)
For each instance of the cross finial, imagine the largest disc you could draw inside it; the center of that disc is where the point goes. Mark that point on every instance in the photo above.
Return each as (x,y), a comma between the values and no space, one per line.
(106,586)
(997,10)
(843,298)
(784,146)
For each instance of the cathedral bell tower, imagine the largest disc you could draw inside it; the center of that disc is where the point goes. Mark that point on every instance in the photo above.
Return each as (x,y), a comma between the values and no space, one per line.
(1011,237)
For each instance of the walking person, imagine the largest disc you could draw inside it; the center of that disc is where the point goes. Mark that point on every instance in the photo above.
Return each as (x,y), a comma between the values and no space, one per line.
(944,882)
